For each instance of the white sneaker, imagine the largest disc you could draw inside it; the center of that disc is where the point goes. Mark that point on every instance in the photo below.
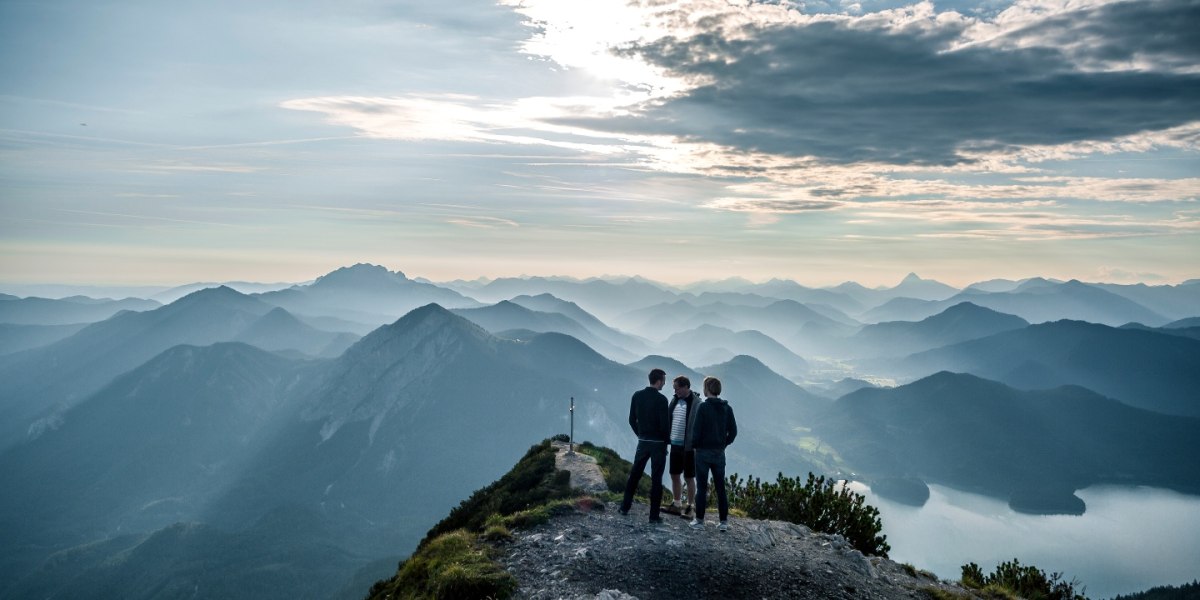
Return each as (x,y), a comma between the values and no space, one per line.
(723,526)
(697,524)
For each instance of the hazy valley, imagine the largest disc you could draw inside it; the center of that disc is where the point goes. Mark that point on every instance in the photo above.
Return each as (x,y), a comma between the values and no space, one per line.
(301,439)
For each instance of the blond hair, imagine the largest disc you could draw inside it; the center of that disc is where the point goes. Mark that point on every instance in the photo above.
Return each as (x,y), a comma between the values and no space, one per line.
(712,386)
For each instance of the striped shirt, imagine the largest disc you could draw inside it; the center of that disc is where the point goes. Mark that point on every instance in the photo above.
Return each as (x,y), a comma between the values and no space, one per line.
(679,423)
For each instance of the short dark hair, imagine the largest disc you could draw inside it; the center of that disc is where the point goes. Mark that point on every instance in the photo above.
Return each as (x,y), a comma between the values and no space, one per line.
(682,381)
(657,375)
(712,385)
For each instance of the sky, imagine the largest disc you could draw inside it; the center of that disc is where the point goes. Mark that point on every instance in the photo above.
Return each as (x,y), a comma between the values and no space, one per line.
(151,142)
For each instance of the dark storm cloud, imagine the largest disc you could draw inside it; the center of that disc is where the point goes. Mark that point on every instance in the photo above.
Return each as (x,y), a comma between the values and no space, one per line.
(1162,34)
(850,94)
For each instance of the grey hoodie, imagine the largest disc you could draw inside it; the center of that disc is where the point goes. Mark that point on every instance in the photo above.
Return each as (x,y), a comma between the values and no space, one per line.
(714,426)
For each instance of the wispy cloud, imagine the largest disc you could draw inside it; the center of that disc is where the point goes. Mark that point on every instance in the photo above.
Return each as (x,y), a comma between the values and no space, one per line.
(478,222)
(456,117)
(198,168)
(144,218)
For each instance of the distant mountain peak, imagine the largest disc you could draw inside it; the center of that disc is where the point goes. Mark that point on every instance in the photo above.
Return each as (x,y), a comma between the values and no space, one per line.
(944,375)
(944,379)
(222,294)
(745,361)
(279,316)
(1034,283)
(418,324)
(360,274)
(967,307)
(435,316)
(972,309)
(850,285)
(217,290)
(432,310)
(911,278)
(672,366)
(710,328)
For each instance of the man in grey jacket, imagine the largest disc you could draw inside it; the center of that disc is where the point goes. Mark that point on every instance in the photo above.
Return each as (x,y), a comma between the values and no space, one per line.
(683,457)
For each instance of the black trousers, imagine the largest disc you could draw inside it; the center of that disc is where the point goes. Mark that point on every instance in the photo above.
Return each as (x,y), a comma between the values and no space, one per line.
(714,461)
(656,454)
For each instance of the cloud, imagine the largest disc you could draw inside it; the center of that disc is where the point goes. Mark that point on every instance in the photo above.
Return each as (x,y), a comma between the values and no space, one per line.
(483,222)
(464,118)
(783,112)
(199,168)
(772,205)
(1020,221)
(1123,275)
(1102,35)
(907,91)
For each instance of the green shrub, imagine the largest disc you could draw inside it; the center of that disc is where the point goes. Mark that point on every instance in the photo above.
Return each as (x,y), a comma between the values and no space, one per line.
(452,565)
(917,573)
(1187,591)
(973,577)
(532,482)
(818,503)
(496,533)
(1012,579)
(453,562)
(537,515)
(940,594)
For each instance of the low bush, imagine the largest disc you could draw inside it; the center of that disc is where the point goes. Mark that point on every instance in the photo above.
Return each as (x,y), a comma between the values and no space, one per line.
(454,560)
(915,572)
(1187,591)
(818,503)
(1012,579)
(533,482)
(940,594)
(452,565)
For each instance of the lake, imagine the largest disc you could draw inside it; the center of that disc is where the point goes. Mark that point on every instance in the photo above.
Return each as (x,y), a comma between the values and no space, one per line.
(1130,538)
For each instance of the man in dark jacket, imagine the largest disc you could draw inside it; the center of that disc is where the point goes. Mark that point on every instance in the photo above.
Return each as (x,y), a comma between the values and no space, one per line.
(713,429)
(650,422)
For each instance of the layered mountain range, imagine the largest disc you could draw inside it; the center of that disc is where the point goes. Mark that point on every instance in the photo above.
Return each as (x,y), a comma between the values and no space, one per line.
(323,427)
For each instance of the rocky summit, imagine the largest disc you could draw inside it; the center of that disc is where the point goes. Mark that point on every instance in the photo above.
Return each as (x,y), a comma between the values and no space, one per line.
(594,552)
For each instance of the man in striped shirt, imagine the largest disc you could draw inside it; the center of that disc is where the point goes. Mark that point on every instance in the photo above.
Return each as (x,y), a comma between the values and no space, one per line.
(683,458)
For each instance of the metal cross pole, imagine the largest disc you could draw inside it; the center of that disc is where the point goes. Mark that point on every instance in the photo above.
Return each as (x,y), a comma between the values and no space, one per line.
(571,440)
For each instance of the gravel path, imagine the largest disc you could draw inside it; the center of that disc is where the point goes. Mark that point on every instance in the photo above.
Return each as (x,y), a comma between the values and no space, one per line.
(585,473)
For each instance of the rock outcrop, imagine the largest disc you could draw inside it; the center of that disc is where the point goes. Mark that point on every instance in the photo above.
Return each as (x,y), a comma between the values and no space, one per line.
(585,472)
(593,552)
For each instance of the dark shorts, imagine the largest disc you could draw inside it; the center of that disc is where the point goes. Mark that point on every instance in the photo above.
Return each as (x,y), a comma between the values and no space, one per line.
(683,462)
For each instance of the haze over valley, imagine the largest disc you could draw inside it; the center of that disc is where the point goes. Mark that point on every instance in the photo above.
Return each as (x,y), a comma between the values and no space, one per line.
(331,422)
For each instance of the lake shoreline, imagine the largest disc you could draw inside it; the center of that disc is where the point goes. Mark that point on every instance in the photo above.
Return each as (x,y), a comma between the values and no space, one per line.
(1131,538)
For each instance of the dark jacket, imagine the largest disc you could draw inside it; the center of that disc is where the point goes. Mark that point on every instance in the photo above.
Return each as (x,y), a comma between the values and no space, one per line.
(693,402)
(714,426)
(648,415)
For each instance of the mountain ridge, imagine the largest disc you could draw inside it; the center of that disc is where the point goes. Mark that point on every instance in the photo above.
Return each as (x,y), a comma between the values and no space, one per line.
(981,435)
(1142,368)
